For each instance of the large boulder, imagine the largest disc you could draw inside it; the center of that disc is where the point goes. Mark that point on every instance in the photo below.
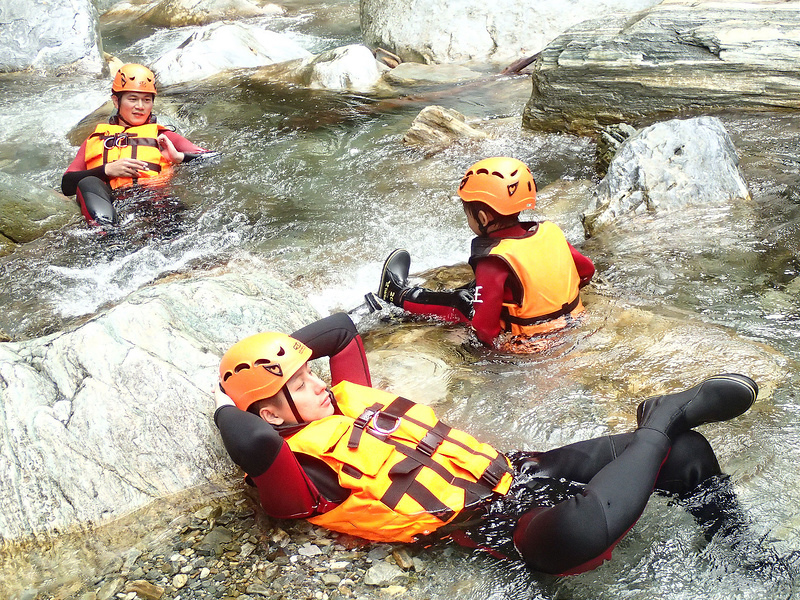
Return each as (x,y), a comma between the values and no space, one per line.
(179,13)
(677,57)
(437,31)
(669,166)
(28,210)
(106,417)
(347,68)
(225,46)
(50,35)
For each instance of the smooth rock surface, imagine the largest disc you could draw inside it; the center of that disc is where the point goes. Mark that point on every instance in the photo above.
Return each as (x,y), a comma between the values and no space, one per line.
(677,58)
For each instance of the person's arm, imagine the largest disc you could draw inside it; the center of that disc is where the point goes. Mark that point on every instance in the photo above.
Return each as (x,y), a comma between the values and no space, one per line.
(584,266)
(490,279)
(252,443)
(77,170)
(187,149)
(336,336)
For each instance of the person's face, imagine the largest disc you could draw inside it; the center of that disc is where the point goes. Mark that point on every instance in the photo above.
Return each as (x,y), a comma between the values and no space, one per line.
(134,107)
(310,395)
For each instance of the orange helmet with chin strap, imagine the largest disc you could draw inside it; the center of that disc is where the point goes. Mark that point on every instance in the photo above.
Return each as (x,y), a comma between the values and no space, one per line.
(134,78)
(259,366)
(505,184)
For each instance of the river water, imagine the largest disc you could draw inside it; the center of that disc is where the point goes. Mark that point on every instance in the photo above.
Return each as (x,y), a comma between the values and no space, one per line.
(316,188)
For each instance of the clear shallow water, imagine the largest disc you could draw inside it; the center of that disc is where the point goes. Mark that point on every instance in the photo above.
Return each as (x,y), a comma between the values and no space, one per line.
(316,188)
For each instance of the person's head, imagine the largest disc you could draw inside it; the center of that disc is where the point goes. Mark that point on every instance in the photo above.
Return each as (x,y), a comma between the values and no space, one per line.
(132,93)
(494,191)
(268,374)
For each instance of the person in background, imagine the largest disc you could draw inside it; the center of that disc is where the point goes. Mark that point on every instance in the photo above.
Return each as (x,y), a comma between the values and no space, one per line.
(527,275)
(130,150)
(369,463)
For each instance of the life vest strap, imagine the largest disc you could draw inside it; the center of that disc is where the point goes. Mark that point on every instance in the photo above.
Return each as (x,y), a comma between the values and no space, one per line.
(360,423)
(564,310)
(433,439)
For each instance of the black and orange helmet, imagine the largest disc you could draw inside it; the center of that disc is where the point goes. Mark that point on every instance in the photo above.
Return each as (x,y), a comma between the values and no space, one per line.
(134,78)
(505,184)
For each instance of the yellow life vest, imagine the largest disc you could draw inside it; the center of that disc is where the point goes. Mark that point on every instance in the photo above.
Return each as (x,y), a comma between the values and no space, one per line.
(112,142)
(409,473)
(546,282)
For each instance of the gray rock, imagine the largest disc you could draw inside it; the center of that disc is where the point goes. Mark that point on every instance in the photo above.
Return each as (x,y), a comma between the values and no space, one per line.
(675,57)
(437,127)
(382,573)
(347,68)
(180,13)
(138,381)
(28,210)
(667,167)
(222,47)
(50,35)
(473,30)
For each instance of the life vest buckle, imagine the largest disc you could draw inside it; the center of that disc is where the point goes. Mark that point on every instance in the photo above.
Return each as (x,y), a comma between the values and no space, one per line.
(120,140)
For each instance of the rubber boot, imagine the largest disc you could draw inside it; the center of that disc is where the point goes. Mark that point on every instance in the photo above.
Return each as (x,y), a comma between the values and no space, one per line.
(394,277)
(718,398)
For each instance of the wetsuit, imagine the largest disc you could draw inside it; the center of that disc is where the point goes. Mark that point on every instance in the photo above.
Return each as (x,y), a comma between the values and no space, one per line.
(611,477)
(496,286)
(93,187)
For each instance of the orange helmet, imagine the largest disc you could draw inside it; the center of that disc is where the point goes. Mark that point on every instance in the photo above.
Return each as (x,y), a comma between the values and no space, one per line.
(505,184)
(258,366)
(134,78)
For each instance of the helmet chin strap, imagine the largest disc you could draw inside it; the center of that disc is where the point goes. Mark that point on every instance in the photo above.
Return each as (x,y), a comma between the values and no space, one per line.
(292,405)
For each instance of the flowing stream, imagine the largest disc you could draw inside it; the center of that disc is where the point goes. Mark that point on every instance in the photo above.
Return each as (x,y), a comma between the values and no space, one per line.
(316,188)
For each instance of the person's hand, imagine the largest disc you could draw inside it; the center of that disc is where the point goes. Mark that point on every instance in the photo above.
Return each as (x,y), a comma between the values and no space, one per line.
(125,167)
(168,149)
(220,397)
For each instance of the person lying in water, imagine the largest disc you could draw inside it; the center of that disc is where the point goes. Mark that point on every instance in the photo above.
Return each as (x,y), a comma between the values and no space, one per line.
(365,462)
(527,275)
(130,149)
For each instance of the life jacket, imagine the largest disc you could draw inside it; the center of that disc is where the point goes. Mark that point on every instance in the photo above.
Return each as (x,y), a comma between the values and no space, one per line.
(545,280)
(409,473)
(112,142)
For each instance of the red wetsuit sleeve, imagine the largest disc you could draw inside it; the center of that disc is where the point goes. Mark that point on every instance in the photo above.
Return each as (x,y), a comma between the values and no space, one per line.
(584,266)
(491,274)
(253,444)
(182,144)
(336,336)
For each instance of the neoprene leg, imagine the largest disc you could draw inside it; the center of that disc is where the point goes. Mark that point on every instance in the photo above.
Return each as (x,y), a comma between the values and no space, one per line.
(579,533)
(96,201)
(454,306)
(691,461)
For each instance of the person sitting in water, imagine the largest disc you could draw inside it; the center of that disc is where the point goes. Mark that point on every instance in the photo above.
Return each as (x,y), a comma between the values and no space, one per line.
(527,274)
(366,462)
(130,149)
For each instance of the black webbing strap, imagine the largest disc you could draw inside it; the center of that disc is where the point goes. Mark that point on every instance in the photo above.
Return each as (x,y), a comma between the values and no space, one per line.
(564,310)
(359,425)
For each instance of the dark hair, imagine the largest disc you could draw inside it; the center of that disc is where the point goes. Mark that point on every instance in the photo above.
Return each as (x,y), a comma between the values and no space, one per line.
(474,207)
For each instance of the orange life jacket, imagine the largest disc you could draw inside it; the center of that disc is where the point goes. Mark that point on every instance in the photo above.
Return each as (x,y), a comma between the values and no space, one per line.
(112,142)
(409,473)
(545,285)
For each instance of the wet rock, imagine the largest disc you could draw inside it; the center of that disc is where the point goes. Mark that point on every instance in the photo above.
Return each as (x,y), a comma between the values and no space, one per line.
(472,30)
(28,211)
(180,13)
(666,167)
(436,127)
(382,573)
(145,590)
(675,57)
(347,68)
(411,73)
(222,47)
(57,35)
(608,143)
(142,368)
(214,543)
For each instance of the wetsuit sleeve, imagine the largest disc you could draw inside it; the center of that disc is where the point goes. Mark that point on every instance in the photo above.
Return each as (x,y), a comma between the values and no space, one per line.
(77,170)
(584,266)
(491,274)
(190,150)
(284,488)
(336,336)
